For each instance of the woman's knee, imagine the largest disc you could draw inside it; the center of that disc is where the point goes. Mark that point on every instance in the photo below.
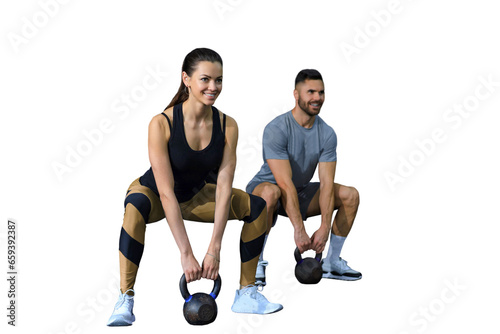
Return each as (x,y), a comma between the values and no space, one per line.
(258,213)
(141,206)
(257,206)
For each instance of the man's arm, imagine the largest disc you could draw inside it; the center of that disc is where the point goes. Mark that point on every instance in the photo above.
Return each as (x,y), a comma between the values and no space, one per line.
(326,171)
(282,172)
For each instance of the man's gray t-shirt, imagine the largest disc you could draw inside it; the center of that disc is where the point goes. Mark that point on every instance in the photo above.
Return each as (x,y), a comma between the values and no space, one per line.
(285,139)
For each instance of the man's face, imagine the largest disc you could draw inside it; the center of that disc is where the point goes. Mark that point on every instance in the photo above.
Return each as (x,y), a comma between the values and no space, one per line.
(310,96)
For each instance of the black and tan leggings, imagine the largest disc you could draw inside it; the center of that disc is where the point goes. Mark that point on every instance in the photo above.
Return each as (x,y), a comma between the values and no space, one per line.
(143,206)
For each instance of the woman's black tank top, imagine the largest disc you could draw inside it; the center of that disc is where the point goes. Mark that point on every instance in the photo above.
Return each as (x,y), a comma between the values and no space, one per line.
(191,168)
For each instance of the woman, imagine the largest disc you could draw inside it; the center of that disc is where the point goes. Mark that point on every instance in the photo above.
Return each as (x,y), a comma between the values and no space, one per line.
(192,150)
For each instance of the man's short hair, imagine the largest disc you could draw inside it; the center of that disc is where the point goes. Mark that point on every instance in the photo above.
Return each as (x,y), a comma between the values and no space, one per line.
(308,74)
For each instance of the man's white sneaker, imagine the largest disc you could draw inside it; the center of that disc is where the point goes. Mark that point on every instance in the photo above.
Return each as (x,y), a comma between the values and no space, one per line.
(339,270)
(122,313)
(250,300)
(260,275)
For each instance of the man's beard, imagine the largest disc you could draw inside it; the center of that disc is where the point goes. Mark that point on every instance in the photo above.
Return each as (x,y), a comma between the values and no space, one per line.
(305,106)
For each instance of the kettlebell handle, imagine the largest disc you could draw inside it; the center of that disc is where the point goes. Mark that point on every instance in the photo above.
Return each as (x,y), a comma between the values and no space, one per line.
(187,296)
(298,256)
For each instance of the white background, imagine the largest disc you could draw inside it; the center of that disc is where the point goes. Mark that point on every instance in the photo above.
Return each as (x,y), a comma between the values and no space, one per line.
(435,229)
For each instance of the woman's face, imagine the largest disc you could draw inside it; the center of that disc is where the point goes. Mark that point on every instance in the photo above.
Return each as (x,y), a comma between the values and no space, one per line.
(205,83)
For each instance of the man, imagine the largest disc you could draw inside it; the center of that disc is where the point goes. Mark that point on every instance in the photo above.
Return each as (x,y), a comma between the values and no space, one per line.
(294,144)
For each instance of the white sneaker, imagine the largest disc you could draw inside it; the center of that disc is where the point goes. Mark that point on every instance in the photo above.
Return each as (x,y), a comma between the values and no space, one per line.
(249,300)
(339,270)
(260,275)
(122,314)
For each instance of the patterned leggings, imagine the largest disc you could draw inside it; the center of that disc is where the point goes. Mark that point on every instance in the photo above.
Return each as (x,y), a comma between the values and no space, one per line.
(143,206)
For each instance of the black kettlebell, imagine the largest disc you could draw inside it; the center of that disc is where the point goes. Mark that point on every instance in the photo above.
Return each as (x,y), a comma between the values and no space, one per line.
(308,270)
(200,308)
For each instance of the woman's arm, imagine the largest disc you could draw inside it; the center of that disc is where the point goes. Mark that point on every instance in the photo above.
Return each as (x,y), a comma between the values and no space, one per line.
(222,200)
(158,137)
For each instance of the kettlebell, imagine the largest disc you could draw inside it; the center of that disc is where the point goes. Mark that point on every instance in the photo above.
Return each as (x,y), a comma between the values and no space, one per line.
(308,270)
(200,308)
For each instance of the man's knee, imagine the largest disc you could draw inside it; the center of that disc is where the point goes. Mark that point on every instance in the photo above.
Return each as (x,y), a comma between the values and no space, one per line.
(271,194)
(349,196)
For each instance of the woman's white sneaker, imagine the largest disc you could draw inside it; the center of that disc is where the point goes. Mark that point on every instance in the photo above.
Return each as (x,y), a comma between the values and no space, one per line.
(250,300)
(122,313)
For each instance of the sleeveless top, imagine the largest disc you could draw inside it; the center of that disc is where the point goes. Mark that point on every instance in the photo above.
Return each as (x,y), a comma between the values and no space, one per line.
(191,168)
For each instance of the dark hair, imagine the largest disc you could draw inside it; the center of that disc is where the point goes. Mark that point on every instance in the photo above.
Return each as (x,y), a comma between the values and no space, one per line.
(189,66)
(307,74)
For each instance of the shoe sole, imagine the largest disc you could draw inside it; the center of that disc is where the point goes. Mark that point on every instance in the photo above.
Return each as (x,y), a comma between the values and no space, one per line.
(120,322)
(239,311)
(279,309)
(341,277)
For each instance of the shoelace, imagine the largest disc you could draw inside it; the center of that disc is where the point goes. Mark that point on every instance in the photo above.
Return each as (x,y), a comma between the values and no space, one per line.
(252,289)
(122,300)
(127,302)
(255,293)
(343,265)
(344,262)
